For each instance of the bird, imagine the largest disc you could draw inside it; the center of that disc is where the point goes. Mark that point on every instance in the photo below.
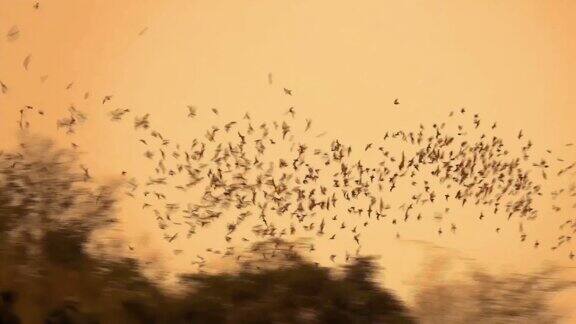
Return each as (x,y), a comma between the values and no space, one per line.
(308,124)
(13,33)
(142,122)
(172,238)
(191,111)
(396,102)
(26,62)
(287,91)
(117,114)
(86,173)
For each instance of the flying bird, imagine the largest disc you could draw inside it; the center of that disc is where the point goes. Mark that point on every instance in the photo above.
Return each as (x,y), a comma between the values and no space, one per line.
(26,62)
(142,122)
(308,124)
(13,33)
(191,111)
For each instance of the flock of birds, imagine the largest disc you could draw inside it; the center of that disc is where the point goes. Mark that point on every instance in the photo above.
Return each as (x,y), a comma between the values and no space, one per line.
(331,191)
(257,174)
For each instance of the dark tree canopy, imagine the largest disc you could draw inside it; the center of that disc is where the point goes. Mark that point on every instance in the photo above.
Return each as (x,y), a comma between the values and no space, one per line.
(295,293)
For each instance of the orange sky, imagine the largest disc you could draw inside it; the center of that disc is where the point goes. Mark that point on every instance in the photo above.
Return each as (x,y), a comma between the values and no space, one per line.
(509,61)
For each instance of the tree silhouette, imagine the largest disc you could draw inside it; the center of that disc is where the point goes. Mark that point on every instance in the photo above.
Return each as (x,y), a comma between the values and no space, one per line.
(482,297)
(49,210)
(292,290)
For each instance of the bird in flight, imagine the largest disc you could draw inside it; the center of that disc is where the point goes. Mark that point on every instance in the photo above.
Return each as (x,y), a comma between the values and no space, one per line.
(308,124)
(191,111)
(396,102)
(117,114)
(86,173)
(287,91)
(26,62)
(13,33)
(142,122)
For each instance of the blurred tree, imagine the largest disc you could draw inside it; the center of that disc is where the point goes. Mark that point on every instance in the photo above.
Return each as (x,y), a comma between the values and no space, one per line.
(49,209)
(481,297)
(291,290)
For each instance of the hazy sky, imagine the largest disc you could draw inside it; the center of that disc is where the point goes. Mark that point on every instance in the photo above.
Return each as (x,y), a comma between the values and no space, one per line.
(346,61)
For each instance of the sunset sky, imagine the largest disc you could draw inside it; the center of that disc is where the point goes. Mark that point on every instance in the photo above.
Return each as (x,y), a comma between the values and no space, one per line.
(512,62)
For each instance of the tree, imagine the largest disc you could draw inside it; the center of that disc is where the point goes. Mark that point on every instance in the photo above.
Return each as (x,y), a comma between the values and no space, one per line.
(292,290)
(482,297)
(49,209)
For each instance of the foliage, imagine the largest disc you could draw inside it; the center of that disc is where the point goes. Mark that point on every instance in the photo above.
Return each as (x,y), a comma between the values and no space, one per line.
(482,297)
